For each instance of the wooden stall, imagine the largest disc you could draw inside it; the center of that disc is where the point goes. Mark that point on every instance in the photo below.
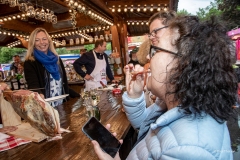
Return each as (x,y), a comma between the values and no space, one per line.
(75,145)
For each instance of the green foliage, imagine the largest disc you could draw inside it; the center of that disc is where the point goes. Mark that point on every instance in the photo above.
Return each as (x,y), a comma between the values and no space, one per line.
(7,53)
(63,50)
(183,12)
(204,13)
(19,76)
(212,10)
(228,12)
(76,51)
(231,12)
(109,46)
(91,46)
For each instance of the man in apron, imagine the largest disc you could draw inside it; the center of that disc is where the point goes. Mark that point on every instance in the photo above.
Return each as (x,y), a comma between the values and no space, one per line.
(97,66)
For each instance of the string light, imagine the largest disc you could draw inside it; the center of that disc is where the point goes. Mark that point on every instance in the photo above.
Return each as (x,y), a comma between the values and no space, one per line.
(145,8)
(13,44)
(119,8)
(151,9)
(113,9)
(138,8)
(137,22)
(79,31)
(131,9)
(158,8)
(91,13)
(125,9)
(105,22)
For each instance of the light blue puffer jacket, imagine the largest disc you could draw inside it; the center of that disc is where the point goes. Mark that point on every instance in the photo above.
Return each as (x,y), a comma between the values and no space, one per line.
(174,136)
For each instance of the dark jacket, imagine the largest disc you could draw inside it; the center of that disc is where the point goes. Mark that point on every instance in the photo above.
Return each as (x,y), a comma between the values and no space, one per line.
(38,77)
(88,60)
(13,67)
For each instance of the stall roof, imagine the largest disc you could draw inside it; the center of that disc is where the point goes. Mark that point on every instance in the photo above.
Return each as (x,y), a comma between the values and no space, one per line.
(88,18)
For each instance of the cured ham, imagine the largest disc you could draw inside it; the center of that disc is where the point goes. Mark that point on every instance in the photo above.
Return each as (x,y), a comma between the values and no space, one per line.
(144,72)
(32,108)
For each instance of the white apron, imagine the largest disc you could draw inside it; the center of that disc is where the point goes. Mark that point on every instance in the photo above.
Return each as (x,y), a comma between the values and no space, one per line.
(98,73)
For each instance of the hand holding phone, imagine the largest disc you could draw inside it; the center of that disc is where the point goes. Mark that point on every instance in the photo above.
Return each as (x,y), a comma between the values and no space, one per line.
(94,130)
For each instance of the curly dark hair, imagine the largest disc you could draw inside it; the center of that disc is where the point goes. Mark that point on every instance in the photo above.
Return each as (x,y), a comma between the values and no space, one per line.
(204,79)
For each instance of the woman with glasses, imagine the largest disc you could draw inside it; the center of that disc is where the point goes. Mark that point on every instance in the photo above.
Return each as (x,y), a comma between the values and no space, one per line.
(158,24)
(191,73)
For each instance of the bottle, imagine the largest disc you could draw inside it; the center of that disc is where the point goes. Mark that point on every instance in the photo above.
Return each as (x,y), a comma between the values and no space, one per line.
(97,114)
(14,82)
(8,79)
(21,81)
(96,111)
(1,76)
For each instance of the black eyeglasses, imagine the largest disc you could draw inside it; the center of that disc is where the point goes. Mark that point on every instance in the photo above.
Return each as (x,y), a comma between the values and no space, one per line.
(154,49)
(154,32)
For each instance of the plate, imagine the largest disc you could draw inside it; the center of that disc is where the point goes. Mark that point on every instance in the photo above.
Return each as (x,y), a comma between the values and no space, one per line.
(52,99)
(109,87)
(105,89)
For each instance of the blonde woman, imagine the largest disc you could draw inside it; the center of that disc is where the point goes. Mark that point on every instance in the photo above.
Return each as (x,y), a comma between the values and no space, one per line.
(43,68)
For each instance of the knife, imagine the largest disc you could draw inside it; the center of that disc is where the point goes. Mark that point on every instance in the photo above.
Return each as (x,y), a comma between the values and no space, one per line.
(103,85)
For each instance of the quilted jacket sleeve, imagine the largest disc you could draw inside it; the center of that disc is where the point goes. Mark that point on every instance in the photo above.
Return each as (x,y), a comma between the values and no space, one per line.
(136,110)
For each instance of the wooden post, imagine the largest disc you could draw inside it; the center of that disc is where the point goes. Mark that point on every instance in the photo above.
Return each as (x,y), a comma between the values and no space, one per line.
(119,41)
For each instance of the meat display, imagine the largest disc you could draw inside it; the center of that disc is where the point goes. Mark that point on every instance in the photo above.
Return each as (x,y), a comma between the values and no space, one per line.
(32,108)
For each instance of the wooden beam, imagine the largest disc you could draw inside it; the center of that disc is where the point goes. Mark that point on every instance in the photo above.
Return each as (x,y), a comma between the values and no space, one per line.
(18,25)
(28,26)
(137,19)
(6,10)
(101,4)
(61,2)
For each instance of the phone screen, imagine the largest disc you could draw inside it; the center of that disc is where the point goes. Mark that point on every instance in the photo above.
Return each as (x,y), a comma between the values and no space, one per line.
(96,131)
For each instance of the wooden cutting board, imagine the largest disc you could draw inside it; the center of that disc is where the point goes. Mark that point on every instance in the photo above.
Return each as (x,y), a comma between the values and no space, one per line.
(26,131)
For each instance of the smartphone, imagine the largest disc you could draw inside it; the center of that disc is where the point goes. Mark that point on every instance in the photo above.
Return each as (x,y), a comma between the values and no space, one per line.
(94,130)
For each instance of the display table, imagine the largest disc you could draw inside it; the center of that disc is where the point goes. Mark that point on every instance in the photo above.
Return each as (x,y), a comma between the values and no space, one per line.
(74,145)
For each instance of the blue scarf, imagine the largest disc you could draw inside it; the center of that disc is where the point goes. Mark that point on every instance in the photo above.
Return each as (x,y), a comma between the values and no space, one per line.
(49,61)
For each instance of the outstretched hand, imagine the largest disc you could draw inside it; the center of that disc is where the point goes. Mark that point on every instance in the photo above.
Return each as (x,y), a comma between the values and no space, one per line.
(102,155)
(134,80)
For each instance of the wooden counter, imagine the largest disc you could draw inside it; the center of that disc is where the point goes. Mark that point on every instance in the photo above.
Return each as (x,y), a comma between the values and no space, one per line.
(76,85)
(74,145)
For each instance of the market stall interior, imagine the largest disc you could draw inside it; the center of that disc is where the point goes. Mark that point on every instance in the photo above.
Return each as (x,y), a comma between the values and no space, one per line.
(74,22)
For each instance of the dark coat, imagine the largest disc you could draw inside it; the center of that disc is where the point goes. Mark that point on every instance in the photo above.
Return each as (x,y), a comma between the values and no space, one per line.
(38,77)
(13,67)
(88,60)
